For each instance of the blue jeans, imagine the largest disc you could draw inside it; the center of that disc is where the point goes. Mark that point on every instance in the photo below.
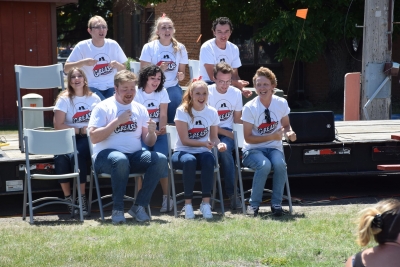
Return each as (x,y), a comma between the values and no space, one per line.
(189,163)
(103,94)
(175,96)
(119,165)
(227,165)
(262,160)
(160,146)
(65,163)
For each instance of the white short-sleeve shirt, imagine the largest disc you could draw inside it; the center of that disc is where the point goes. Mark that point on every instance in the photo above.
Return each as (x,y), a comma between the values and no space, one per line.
(152,102)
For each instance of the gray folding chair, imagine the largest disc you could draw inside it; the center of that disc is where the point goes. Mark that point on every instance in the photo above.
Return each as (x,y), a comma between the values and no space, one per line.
(50,143)
(96,176)
(172,138)
(194,68)
(238,140)
(40,77)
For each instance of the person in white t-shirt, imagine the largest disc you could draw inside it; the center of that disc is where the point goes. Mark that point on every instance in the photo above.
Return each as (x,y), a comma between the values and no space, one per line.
(227,100)
(72,110)
(152,94)
(219,49)
(197,127)
(265,120)
(165,51)
(117,127)
(100,58)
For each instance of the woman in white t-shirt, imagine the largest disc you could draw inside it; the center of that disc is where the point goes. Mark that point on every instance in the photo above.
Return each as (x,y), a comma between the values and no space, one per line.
(72,109)
(152,94)
(197,127)
(165,51)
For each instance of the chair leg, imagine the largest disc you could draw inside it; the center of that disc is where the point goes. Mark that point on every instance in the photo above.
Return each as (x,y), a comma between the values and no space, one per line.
(78,186)
(30,200)
(25,197)
(96,181)
(172,178)
(221,198)
(214,191)
(239,176)
(289,196)
(90,193)
(73,197)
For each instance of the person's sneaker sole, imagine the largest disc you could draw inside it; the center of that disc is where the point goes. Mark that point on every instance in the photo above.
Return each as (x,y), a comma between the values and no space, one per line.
(130,212)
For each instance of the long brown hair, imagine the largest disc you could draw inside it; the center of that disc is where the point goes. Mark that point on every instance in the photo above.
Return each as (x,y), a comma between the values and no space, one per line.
(187,99)
(154,35)
(70,92)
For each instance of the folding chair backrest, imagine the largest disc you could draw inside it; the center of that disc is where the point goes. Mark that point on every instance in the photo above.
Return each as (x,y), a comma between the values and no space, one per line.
(41,77)
(135,67)
(239,133)
(173,136)
(50,142)
(194,68)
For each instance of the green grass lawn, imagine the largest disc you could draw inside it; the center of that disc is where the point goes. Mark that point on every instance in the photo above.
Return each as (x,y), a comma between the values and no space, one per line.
(312,236)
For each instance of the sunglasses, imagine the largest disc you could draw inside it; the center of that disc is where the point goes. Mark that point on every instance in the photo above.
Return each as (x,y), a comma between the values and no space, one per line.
(267,115)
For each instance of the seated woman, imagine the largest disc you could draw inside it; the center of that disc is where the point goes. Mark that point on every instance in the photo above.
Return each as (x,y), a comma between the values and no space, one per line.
(152,94)
(72,110)
(197,127)
(265,119)
(382,222)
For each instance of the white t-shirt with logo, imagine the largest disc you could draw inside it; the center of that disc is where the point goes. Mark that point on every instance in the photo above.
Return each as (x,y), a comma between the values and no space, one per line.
(155,53)
(126,138)
(78,110)
(100,76)
(254,113)
(225,104)
(152,102)
(198,128)
(210,53)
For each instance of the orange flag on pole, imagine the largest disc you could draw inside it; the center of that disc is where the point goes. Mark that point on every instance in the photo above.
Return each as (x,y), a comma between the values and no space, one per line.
(302,13)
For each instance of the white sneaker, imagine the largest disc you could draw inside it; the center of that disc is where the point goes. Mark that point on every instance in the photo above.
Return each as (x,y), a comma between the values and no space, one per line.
(164,204)
(189,214)
(205,209)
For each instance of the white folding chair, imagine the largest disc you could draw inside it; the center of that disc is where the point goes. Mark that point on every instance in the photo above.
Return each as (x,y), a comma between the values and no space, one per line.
(194,69)
(135,67)
(96,176)
(41,77)
(172,138)
(49,143)
(238,140)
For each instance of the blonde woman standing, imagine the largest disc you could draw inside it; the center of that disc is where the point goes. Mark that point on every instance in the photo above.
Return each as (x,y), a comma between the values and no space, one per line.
(165,51)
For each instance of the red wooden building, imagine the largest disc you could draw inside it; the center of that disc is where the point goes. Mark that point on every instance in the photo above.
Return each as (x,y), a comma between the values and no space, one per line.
(28,36)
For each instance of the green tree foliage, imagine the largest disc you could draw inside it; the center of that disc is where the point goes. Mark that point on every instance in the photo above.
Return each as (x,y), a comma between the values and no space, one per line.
(72,19)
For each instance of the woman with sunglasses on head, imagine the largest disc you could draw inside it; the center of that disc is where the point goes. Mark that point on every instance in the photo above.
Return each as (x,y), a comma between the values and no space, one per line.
(265,121)
(72,109)
(165,51)
(381,222)
(99,57)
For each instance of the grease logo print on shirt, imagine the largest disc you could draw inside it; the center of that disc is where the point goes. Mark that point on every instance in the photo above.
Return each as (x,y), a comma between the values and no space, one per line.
(224,109)
(101,67)
(197,128)
(82,113)
(153,108)
(168,58)
(222,58)
(129,126)
(264,127)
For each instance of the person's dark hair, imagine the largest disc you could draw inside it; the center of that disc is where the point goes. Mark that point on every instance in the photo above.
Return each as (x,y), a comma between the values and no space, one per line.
(222,21)
(222,67)
(147,72)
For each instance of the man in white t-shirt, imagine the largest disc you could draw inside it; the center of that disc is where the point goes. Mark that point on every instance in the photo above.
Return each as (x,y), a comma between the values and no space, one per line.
(99,58)
(227,100)
(117,126)
(219,49)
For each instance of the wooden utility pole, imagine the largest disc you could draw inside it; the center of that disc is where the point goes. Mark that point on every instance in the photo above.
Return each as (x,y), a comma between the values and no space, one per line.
(377,49)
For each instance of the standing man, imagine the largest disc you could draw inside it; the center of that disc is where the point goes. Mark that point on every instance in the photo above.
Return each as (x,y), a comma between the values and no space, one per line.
(100,58)
(219,49)
(227,100)
(117,127)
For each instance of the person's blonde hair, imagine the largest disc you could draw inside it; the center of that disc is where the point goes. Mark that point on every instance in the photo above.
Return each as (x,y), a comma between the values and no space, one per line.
(96,18)
(124,76)
(267,73)
(70,92)
(155,36)
(366,227)
(187,99)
